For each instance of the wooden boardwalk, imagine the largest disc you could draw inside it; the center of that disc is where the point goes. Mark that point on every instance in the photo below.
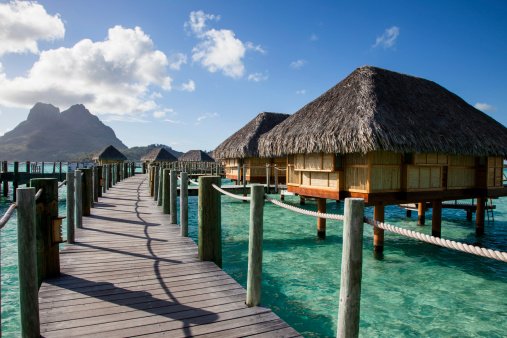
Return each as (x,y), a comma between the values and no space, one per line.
(131,274)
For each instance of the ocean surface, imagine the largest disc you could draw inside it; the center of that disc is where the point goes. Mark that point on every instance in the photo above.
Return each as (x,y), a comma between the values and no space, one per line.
(416,290)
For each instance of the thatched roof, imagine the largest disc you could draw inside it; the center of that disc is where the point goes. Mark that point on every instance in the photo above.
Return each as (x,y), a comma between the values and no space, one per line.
(244,142)
(109,153)
(377,109)
(195,156)
(159,155)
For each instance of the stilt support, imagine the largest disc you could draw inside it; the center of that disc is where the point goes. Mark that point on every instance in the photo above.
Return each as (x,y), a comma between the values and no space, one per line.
(421,217)
(378,234)
(436,219)
(321,222)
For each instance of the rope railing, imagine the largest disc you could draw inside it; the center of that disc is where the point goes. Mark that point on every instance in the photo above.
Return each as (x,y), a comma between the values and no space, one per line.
(5,218)
(37,195)
(238,197)
(445,243)
(62,184)
(304,211)
(193,182)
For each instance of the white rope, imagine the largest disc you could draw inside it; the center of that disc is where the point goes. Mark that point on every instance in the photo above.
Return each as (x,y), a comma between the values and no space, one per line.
(37,195)
(305,212)
(62,184)
(471,249)
(193,182)
(243,198)
(5,218)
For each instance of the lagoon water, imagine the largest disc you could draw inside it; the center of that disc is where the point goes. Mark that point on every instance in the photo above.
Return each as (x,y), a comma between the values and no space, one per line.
(416,290)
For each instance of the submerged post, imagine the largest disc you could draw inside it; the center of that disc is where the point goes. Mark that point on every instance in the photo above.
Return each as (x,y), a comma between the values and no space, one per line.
(184,204)
(70,208)
(254,278)
(209,217)
(321,222)
(79,198)
(173,197)
(351,271)
(48,255)
(166,191)
(27,263)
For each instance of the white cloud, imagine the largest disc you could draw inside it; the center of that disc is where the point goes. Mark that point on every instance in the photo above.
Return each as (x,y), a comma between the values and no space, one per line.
(177,60)
(297,64)
(314,37)
(23,23)
(159,114)
(188,86)
(388,38)
(256,48)
(118,75)
(205,117)
(485,107)
(218,49)
(173,121)
(301,92)
(257,77)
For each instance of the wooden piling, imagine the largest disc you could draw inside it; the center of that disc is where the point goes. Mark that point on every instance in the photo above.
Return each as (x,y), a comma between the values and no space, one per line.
(100,179)
(87,191)
(78,197)
(321,222)
(209,218)
(152,180)
(70,207)
(421,217)
(48,255)
(436,218)
(184,204)
(378,234)
(479,216)
(166,191)
(174,197)
(351,269)
(254,277)
(267,178)
(27,167)
(155,183)
(109,176)
(95,180)
(160,187)
(27,263)
(15,182)
(276,179)
(5,188)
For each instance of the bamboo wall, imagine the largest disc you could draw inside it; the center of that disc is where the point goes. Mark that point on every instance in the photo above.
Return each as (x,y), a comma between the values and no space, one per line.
(495,172)
(255,168)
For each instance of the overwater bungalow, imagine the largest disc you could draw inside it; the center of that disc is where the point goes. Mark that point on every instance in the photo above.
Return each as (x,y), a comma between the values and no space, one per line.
(195,156)
(391,138)
(241,150)
(109,155)
(158,156)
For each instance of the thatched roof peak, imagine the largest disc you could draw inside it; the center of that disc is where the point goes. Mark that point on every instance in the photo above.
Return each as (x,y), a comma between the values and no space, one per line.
(159,154)
(377,109)
(195,156)
(244,142)
(110,153)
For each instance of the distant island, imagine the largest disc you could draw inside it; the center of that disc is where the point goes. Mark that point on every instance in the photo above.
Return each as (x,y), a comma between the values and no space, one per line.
(72,135)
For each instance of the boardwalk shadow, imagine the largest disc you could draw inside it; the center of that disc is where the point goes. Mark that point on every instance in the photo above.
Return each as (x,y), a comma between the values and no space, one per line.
(121,220)
(141,301)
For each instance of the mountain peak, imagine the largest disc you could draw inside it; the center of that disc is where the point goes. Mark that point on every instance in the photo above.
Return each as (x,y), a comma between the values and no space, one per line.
(77,110)
(43,111)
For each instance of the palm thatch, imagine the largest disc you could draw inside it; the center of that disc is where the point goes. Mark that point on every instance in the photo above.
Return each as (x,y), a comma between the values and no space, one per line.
(244,142)
(377,109)
(159,155)
(195,156)
(109,153)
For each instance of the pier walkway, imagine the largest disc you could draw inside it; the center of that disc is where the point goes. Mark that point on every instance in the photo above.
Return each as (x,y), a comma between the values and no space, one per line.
(131,274)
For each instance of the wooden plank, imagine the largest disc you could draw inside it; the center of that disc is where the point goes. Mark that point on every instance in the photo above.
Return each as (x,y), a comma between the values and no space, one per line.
(131,273)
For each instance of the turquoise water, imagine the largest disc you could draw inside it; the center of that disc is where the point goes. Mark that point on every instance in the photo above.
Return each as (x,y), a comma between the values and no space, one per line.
(416,290)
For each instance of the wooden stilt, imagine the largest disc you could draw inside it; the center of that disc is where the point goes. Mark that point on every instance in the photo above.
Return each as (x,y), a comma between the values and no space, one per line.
(302,200)
(436,218)
(421,218)
(469,215)
(479,216)
(409,213)
(378,234)
(321,222)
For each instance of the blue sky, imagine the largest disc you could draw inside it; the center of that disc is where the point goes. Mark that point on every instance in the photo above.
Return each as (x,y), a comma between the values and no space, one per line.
(193,72)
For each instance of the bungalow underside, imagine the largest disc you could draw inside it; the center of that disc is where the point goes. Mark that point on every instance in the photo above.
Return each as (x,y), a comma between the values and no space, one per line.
(257,169)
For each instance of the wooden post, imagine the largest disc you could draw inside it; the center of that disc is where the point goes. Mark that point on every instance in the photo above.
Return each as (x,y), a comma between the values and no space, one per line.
(408,213)
(87,191)
(78,198)
(166,191)
(421,217)
(27,167)
(15,181)
(244,179)
(54,167)
(118,172)
(321,222)
(209,218)
(5,169)
(267,179)
(254,278)
(238,181)
(378,234)
(96,185)
(351,271)
(48,255)
(60,171)
(100,179)
(160,187)
(184,204)
(155,183)
(152,180)
(27,263)
(302,200)
(70,208)
(436,218)
(42,167)
(173,197)
(479,216)
(276,179)
(109,176)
